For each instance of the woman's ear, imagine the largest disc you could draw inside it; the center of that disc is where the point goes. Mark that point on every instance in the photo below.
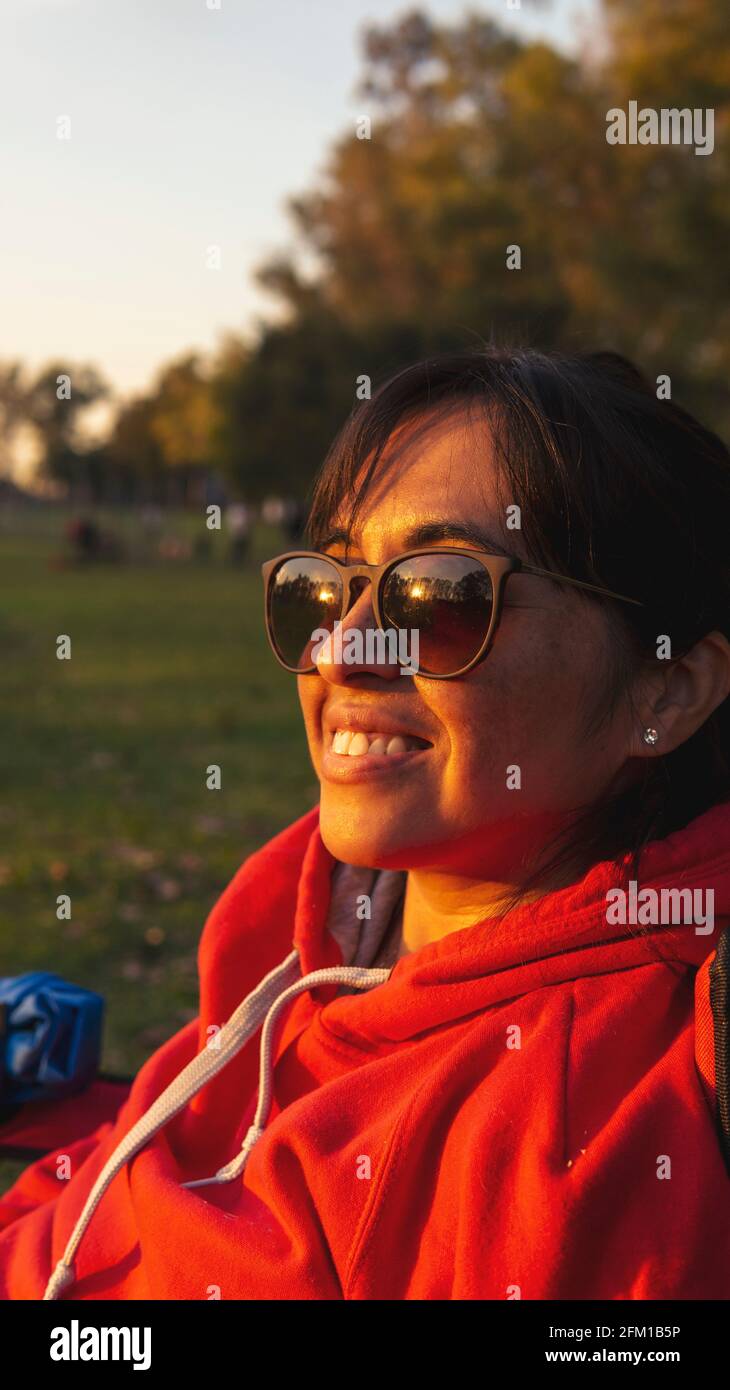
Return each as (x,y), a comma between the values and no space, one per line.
(683,695)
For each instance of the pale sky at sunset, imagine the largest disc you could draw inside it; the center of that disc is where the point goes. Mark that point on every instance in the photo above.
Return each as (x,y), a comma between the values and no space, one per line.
(188,127)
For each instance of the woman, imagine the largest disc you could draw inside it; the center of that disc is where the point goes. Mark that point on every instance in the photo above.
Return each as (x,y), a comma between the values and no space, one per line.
(488,967)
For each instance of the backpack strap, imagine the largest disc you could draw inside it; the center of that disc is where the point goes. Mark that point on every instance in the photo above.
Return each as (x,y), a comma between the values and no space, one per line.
(712,1036)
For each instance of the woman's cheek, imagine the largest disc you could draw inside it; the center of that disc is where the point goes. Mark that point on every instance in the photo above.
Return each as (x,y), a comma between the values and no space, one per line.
(472,775)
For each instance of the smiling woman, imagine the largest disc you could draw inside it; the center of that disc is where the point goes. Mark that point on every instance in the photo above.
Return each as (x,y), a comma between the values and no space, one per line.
(475,1080)
(600,472)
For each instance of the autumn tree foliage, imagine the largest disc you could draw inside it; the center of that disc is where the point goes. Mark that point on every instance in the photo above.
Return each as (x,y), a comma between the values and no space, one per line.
(479,141)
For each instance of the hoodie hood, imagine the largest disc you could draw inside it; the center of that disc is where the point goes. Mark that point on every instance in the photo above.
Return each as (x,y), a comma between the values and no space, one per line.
(562,936)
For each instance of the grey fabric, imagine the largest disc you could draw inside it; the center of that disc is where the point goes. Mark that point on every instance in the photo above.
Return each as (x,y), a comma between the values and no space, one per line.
(374,940)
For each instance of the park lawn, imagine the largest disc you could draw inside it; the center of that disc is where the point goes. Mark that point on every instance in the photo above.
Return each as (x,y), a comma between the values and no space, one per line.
(104,758)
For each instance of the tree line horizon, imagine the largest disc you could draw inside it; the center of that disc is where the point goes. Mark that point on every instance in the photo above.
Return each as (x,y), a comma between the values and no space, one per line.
(479,141)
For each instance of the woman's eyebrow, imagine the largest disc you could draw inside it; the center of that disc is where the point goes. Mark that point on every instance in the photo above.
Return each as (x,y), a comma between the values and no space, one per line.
(334,538)
(429,533)
(468,532)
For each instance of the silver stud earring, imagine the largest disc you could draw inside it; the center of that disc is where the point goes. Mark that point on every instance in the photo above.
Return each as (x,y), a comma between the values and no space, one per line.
(650,736)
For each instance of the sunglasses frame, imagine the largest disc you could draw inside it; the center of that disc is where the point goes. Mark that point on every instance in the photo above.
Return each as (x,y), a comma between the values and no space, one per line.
(498,567)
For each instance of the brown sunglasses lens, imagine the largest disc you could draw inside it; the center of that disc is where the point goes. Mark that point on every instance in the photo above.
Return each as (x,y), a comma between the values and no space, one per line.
(305,593)
(448,600)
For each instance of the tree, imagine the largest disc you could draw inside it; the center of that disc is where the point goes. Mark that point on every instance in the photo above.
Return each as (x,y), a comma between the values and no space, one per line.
(184,414)
(481,141)
(135,465)
(12,411)
(163,440)
(54,404)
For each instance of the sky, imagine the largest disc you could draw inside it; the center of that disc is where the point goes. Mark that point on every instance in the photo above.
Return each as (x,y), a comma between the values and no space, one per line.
(189,128)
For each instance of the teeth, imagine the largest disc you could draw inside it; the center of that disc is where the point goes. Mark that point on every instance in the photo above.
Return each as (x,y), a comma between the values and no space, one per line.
(355,744)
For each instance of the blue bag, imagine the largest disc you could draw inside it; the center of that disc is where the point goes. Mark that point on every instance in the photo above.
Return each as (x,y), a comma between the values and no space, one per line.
(50,1037)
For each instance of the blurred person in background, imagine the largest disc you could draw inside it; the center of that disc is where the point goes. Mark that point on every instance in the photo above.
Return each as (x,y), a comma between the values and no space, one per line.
(238,519)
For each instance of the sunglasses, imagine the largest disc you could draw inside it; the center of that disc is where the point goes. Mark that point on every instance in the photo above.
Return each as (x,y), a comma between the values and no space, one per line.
(451,598)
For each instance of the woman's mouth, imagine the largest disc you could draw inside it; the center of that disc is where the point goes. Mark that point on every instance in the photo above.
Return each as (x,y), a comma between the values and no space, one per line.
(354,755)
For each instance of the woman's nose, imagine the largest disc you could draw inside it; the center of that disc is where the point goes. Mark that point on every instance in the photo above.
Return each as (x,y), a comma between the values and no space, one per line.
(357,646)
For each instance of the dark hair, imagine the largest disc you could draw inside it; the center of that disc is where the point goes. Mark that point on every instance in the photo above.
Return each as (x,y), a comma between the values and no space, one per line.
(616,487)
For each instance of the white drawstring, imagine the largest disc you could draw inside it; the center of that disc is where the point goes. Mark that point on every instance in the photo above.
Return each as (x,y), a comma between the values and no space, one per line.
(357,976)
(263,1003)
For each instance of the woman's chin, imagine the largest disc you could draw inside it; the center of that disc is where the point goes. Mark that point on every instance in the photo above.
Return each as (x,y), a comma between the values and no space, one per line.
(366,838)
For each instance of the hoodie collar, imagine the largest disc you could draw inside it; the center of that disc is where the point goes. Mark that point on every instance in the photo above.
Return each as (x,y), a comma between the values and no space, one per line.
(566,934)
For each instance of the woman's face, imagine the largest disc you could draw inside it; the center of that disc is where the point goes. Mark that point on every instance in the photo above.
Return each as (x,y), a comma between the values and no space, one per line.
(454,804)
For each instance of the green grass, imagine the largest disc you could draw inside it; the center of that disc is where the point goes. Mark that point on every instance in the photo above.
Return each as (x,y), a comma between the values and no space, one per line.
(103,794)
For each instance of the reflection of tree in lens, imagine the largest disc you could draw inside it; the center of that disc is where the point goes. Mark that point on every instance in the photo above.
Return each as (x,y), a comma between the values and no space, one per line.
(305,597)
(450,609)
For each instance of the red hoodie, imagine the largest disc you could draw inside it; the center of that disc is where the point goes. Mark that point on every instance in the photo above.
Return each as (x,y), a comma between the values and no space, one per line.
(512,1111)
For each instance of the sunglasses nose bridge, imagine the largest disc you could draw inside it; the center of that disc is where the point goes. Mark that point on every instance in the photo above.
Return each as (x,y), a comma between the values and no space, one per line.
(357,579)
